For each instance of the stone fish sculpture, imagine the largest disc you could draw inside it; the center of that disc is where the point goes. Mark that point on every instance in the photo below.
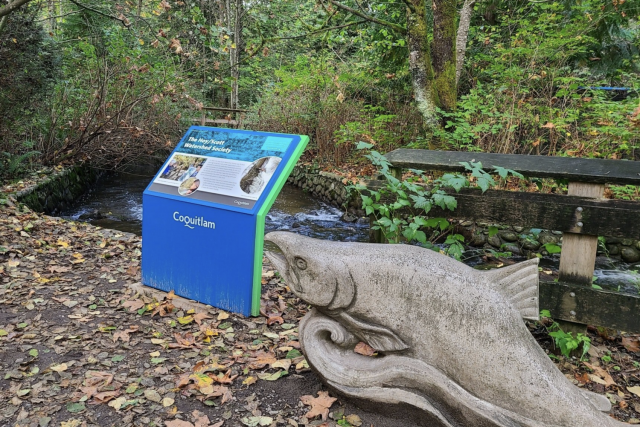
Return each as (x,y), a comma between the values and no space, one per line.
(453,341)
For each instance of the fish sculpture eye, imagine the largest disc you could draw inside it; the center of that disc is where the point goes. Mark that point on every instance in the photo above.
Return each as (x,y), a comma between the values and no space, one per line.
(300,263)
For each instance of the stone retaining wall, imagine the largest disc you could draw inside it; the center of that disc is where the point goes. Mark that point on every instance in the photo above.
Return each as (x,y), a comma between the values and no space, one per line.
(60,189)
(518,240)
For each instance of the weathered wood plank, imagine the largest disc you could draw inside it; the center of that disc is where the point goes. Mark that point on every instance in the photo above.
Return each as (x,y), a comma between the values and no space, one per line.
(581,304)
(600,171)
(216,121)
(579,250)
(231,110)
(599,217)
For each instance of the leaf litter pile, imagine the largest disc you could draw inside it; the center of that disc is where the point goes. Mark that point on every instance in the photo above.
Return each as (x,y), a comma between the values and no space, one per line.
(82,345)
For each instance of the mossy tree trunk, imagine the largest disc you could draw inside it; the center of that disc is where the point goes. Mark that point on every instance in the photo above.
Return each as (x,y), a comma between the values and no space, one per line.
(433,65)
(443,53)
(422,74)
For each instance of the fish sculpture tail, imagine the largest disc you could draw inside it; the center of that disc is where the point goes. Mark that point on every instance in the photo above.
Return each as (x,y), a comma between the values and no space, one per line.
(519,284)
(396,379)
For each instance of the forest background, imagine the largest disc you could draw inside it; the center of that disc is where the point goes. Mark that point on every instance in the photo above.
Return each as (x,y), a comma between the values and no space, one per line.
(119,82)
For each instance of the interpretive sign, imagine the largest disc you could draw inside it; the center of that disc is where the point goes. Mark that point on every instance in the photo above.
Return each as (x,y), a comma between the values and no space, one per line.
(204,212)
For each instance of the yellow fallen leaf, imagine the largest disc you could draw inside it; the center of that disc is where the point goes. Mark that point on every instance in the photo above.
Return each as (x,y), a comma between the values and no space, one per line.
(157,341)
(59,368)
(223,315)
(185,320)
(167,401)
(62,243)
(206,390)
(249,380)
(77,255)
(117,403)
(635,390)
(202,380)
(284,364)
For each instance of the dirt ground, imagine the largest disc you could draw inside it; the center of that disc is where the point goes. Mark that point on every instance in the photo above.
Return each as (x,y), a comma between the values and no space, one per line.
(80,345)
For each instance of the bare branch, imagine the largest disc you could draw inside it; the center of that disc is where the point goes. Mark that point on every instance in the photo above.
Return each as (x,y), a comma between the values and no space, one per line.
(11,7)
(321,30)
(395,27)
(124,22)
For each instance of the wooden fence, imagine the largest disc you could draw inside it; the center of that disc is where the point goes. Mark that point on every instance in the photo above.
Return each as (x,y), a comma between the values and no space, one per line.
(582,216)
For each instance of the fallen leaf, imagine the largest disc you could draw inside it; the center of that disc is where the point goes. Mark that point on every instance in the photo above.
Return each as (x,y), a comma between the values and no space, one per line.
(59,368)
(199,317)
(284,364)
(632,344)
(117,403)
(354,420)
(152,395)
(635,390)
(364,349)
(106,396)
(601,376)
(249,381)
(275,319)
(133,305)
(178,423)
(319,405)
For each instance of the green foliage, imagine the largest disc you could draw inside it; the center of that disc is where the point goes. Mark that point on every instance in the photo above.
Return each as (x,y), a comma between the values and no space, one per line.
(400,208)
(28,69)
(552,248)
(14,165)
(336,104)
(565,341)
(531,67)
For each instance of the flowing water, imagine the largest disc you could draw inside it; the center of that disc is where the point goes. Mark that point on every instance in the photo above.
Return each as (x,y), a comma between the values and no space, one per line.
(117,203)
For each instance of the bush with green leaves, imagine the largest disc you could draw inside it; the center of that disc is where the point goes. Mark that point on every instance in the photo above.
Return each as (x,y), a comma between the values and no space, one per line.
(530,84)
(565,341)
(400,207)
(336,104)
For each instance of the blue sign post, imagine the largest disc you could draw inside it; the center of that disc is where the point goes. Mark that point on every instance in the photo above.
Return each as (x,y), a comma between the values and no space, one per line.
(204,212)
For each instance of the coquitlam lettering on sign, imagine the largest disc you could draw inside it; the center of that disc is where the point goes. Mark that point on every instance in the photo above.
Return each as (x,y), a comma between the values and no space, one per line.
(189,221)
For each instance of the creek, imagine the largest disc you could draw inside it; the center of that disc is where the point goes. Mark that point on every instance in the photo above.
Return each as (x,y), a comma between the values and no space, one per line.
(116,203)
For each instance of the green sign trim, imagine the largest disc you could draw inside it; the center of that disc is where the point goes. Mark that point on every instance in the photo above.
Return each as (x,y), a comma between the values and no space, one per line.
(262,213)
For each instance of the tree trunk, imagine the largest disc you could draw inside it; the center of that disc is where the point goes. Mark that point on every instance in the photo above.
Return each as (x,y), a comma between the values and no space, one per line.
(463,35)
(420,64)
(235,52)
(443,53)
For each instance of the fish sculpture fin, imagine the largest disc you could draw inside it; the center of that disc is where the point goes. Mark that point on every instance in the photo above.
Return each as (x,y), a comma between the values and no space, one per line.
(378,337)
(519,284)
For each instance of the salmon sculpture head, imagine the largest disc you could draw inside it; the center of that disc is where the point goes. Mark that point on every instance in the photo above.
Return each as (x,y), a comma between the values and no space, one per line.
(310,275)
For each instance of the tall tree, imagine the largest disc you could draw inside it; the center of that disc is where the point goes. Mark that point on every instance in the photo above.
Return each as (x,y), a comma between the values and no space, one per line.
(431,36)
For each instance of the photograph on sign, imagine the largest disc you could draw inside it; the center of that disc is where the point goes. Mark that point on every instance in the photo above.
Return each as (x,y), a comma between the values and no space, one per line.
(189,186)
(257,175)
(181,167)
(225,167)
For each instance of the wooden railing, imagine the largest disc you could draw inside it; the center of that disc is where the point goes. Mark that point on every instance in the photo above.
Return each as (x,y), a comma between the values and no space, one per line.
(582,216)
(236,123)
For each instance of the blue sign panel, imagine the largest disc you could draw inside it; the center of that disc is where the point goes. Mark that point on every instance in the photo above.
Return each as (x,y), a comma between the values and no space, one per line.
(204,215)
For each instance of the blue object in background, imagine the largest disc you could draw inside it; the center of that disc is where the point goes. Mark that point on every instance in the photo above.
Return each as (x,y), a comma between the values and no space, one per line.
(206,244)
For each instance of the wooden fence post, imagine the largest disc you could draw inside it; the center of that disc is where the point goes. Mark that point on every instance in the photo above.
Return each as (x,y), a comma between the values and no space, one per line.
(578,256)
